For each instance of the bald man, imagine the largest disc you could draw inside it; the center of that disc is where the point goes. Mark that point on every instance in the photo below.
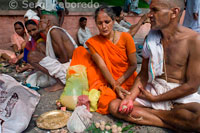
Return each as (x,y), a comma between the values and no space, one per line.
(164,93)
(54,58)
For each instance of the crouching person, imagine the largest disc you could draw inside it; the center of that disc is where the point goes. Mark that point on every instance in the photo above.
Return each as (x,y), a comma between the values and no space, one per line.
(54,58)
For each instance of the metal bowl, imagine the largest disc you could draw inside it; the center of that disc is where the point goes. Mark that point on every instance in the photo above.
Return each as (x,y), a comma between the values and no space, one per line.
(53,119)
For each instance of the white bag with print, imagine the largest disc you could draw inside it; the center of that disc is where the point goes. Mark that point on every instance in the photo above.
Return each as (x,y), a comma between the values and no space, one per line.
(17,104)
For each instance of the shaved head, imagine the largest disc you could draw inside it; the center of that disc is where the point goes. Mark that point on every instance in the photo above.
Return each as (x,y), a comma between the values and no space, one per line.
(176,3)
(172,4)
(52,18)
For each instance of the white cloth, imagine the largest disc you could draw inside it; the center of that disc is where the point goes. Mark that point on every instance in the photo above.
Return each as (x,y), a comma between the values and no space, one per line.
(125,24)
(55,68)
(50,62)
(39,79)
(153,50)
(79,120)
(193,6)
(48,5)
(30,14)
(83,36)
(120,28)
(49,47)
(160,86)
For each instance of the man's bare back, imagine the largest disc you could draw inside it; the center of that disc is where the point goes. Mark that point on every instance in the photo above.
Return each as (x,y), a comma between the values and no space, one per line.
(63,52)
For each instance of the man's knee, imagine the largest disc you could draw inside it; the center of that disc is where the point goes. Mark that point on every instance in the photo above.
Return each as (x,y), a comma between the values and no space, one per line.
(113,106)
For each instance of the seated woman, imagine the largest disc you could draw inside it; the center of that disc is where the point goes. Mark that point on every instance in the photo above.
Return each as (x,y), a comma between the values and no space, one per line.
(18,40)
(36,40)
(111,63)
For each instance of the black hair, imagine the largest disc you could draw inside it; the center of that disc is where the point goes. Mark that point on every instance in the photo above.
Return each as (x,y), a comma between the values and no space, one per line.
(117,10)
(19,23)
(107,10)
(30,22)
(82,19)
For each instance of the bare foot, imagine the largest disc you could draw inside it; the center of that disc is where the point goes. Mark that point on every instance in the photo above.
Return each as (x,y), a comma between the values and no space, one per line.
(55,87)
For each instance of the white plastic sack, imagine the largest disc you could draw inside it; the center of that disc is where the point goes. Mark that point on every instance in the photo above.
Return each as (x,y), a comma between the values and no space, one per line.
(17,104)
(79,120)
(40,79)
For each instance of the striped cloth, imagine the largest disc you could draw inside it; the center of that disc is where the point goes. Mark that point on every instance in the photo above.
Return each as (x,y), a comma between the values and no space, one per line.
(153,50)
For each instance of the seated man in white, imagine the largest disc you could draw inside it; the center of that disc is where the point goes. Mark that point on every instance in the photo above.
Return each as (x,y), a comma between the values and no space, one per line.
(83,33)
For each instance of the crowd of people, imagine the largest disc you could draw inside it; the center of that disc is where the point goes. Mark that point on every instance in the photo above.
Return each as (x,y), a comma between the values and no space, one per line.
(163,93)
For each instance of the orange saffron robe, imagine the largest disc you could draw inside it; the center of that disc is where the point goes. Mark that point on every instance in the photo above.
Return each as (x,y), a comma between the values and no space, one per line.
(115,57)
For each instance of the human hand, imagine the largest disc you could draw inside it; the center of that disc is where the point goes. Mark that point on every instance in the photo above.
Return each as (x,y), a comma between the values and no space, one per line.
(121,91)
(13,61)
(146,95)
(22,68)
(195,15)
(126,106)
(18,68)
(145,19)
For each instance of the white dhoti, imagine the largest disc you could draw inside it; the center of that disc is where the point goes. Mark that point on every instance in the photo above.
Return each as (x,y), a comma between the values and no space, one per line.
(50,62)
(55,68)
(160,86)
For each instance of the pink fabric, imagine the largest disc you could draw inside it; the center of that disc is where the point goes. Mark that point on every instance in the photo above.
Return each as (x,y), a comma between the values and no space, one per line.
(11,54)
(18,40)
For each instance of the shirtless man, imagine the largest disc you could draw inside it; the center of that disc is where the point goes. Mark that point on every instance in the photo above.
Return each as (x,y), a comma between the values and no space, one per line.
(54,59)
(178,106)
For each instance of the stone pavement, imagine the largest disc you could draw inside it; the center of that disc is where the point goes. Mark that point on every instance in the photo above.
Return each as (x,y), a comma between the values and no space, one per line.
(48,103)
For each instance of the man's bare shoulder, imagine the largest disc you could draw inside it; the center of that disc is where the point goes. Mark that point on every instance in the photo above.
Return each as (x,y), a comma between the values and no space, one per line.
(192,37)
(196,38)
(193,43)
(55,31)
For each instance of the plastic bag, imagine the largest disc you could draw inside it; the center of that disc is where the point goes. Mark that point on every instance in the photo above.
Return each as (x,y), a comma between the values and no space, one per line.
(17,104)
(94,98)
(76,85)
(84,100)
(79,120)
(40,79)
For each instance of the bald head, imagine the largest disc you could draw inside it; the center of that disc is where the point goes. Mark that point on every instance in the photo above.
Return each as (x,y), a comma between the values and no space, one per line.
(51,18)
(176,3)
(172,4)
